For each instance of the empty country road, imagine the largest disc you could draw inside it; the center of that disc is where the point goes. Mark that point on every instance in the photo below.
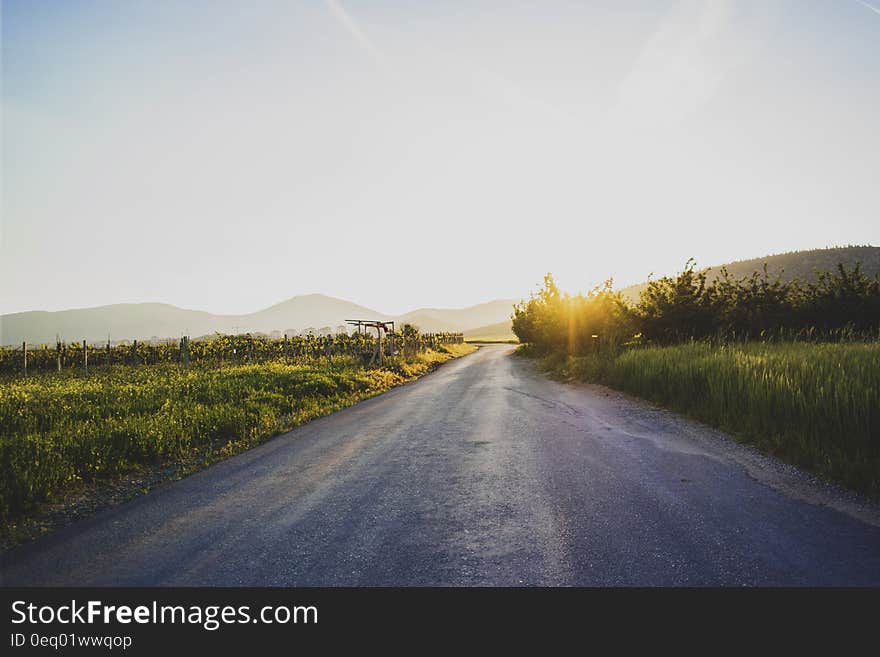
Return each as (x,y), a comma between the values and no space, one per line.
(482,473)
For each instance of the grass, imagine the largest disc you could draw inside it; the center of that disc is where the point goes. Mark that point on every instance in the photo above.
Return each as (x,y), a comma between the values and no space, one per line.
(814,405)
(63,433)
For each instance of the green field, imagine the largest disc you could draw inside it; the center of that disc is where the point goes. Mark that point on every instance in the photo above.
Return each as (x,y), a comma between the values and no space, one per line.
(64,430)
(816,405)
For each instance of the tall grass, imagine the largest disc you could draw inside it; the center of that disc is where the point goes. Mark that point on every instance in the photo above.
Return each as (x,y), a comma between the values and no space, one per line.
(814,405)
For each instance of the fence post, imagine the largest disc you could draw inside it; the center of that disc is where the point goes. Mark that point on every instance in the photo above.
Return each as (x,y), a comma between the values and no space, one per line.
(85,358)
(58,352)
(24,354)
(134,352)
(379,344)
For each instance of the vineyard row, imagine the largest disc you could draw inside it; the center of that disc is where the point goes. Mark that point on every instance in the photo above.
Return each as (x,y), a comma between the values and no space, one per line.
(244,348)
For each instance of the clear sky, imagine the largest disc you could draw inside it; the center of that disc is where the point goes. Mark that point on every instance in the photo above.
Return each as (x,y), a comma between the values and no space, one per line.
(225,155)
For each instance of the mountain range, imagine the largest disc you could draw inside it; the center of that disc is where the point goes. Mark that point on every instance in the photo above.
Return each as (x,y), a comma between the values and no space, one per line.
(491,320)
(146,321)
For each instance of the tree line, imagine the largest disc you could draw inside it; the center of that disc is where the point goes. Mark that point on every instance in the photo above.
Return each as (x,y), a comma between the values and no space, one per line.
(840,304)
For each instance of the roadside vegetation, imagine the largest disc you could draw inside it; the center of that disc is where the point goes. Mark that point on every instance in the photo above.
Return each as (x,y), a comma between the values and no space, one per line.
(791,367)
(62,432)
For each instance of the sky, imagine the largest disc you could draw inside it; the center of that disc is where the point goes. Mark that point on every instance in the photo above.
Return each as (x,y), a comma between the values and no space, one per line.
(225,155)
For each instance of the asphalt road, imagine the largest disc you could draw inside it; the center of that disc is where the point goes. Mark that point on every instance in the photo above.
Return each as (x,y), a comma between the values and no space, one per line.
(482,473)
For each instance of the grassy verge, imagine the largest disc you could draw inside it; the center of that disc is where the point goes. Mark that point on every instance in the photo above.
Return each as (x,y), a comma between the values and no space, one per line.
(94,440)
(814,405)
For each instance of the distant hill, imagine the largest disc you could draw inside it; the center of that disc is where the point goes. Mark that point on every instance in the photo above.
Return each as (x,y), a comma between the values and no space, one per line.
(794,265)
(123,321)
(459,319)
(311,310)
(492,332)
(144,321)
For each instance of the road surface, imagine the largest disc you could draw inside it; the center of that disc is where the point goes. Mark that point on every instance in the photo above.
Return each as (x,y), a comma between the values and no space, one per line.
(482,473)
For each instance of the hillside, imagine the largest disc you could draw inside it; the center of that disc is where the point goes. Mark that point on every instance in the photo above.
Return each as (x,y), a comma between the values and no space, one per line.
(794,265)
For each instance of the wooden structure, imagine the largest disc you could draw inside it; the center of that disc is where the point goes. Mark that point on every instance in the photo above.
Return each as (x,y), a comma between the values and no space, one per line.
(364,324)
